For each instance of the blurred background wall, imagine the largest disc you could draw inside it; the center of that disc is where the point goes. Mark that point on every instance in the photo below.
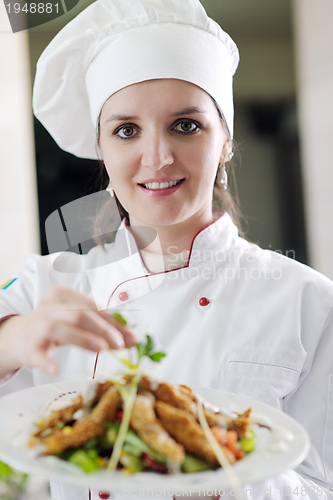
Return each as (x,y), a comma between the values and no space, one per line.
(313,28)
(19,231)
(284,184)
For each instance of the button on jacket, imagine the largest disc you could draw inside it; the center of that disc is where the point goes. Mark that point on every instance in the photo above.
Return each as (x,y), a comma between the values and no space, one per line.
(236,318)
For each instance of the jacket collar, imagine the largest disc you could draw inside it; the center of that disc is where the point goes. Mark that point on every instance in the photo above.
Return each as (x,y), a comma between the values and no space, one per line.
(217,237)
(126,278)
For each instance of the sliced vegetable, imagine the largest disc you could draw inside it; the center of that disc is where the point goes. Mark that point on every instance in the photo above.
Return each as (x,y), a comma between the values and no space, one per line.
(132,443)
(130,462)
(248,444)
(194,464)
(85,460)
(5,471)
(135,441)
(120,439)
(133,450)
(109,438)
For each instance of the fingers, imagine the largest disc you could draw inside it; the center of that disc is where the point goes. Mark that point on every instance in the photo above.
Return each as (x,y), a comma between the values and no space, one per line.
(42,359)
(85,328)
(67,334)
(63,316)
(38,353)
(91,321)
(127,333)
(81,312)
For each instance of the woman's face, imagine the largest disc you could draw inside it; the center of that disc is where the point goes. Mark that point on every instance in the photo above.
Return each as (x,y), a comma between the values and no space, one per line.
(162,141)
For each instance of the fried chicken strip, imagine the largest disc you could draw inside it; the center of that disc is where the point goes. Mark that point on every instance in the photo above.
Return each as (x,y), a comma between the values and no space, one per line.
(170,394)
(182,397)
(240,424)
(87,428)
(65,414)
(60,416)
(183,427)
(150,430)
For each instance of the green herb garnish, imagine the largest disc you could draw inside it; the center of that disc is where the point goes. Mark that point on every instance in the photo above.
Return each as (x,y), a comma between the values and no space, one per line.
(120,318)
(147,348)
(128,395)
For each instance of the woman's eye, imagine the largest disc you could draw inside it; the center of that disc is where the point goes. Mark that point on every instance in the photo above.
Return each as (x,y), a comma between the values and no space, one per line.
(186,127)
(126,132)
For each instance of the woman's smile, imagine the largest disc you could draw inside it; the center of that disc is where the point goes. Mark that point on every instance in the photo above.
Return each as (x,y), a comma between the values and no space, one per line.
(160,187)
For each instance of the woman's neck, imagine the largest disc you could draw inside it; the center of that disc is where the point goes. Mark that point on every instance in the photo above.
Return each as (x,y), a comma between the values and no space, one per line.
(172,239)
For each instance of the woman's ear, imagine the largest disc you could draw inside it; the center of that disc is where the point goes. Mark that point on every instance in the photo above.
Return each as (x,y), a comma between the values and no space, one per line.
(226,151)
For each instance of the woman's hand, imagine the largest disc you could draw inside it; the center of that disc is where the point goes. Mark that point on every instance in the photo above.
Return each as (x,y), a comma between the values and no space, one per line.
(63,316)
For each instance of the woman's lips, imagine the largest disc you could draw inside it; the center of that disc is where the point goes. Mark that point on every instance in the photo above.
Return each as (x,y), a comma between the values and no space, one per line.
(161,192)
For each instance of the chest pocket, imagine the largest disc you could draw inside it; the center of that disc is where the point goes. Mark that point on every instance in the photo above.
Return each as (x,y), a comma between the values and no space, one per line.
(264,382)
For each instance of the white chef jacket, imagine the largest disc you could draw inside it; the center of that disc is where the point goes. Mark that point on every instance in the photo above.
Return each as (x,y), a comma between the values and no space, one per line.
(267,332)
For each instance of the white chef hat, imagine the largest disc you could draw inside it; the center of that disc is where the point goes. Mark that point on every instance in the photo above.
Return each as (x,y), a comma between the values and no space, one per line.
(116,43)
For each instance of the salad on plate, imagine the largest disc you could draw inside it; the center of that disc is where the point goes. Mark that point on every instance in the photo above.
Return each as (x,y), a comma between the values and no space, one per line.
(137,424)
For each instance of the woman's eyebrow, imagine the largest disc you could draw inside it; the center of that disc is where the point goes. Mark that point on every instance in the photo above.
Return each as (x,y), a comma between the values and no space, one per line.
(121,118)
(186,111)
(189,111)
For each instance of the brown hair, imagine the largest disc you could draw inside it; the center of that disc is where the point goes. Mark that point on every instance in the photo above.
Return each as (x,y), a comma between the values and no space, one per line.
(222,198)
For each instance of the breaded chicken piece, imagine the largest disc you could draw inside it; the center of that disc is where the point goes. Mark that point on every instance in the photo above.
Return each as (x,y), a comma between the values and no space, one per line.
(60,416)
(215,419)
(183,427)
(147,394)
(87,428)
(101,388)
(169,394)
(181,397)
(150,430)
(65,415)
(187,391)
(240,424)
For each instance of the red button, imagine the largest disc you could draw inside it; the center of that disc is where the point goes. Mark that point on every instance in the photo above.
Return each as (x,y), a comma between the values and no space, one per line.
(123,296)
(204,301)
(103,495)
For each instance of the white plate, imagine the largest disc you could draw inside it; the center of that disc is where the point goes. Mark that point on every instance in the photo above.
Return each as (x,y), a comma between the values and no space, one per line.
(18,411)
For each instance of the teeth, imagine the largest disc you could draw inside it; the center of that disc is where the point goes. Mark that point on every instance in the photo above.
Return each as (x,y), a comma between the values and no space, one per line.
(160,185)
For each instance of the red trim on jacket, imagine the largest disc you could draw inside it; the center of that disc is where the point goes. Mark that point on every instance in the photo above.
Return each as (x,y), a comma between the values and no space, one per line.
(9,377)
(191,247)
(8,316)
(163,272)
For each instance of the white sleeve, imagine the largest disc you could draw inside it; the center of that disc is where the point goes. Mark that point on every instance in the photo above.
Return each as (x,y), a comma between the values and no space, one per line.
(19,297)
(36,277)
(311,404)
(17,381)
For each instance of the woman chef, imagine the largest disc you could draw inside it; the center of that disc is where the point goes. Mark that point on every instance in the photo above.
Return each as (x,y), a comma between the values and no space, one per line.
(152,80)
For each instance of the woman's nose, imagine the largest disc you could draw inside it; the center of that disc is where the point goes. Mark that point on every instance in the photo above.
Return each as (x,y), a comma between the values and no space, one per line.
(156,152)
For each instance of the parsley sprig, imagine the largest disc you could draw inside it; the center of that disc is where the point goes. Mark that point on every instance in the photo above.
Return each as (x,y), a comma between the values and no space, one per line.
(147,349)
